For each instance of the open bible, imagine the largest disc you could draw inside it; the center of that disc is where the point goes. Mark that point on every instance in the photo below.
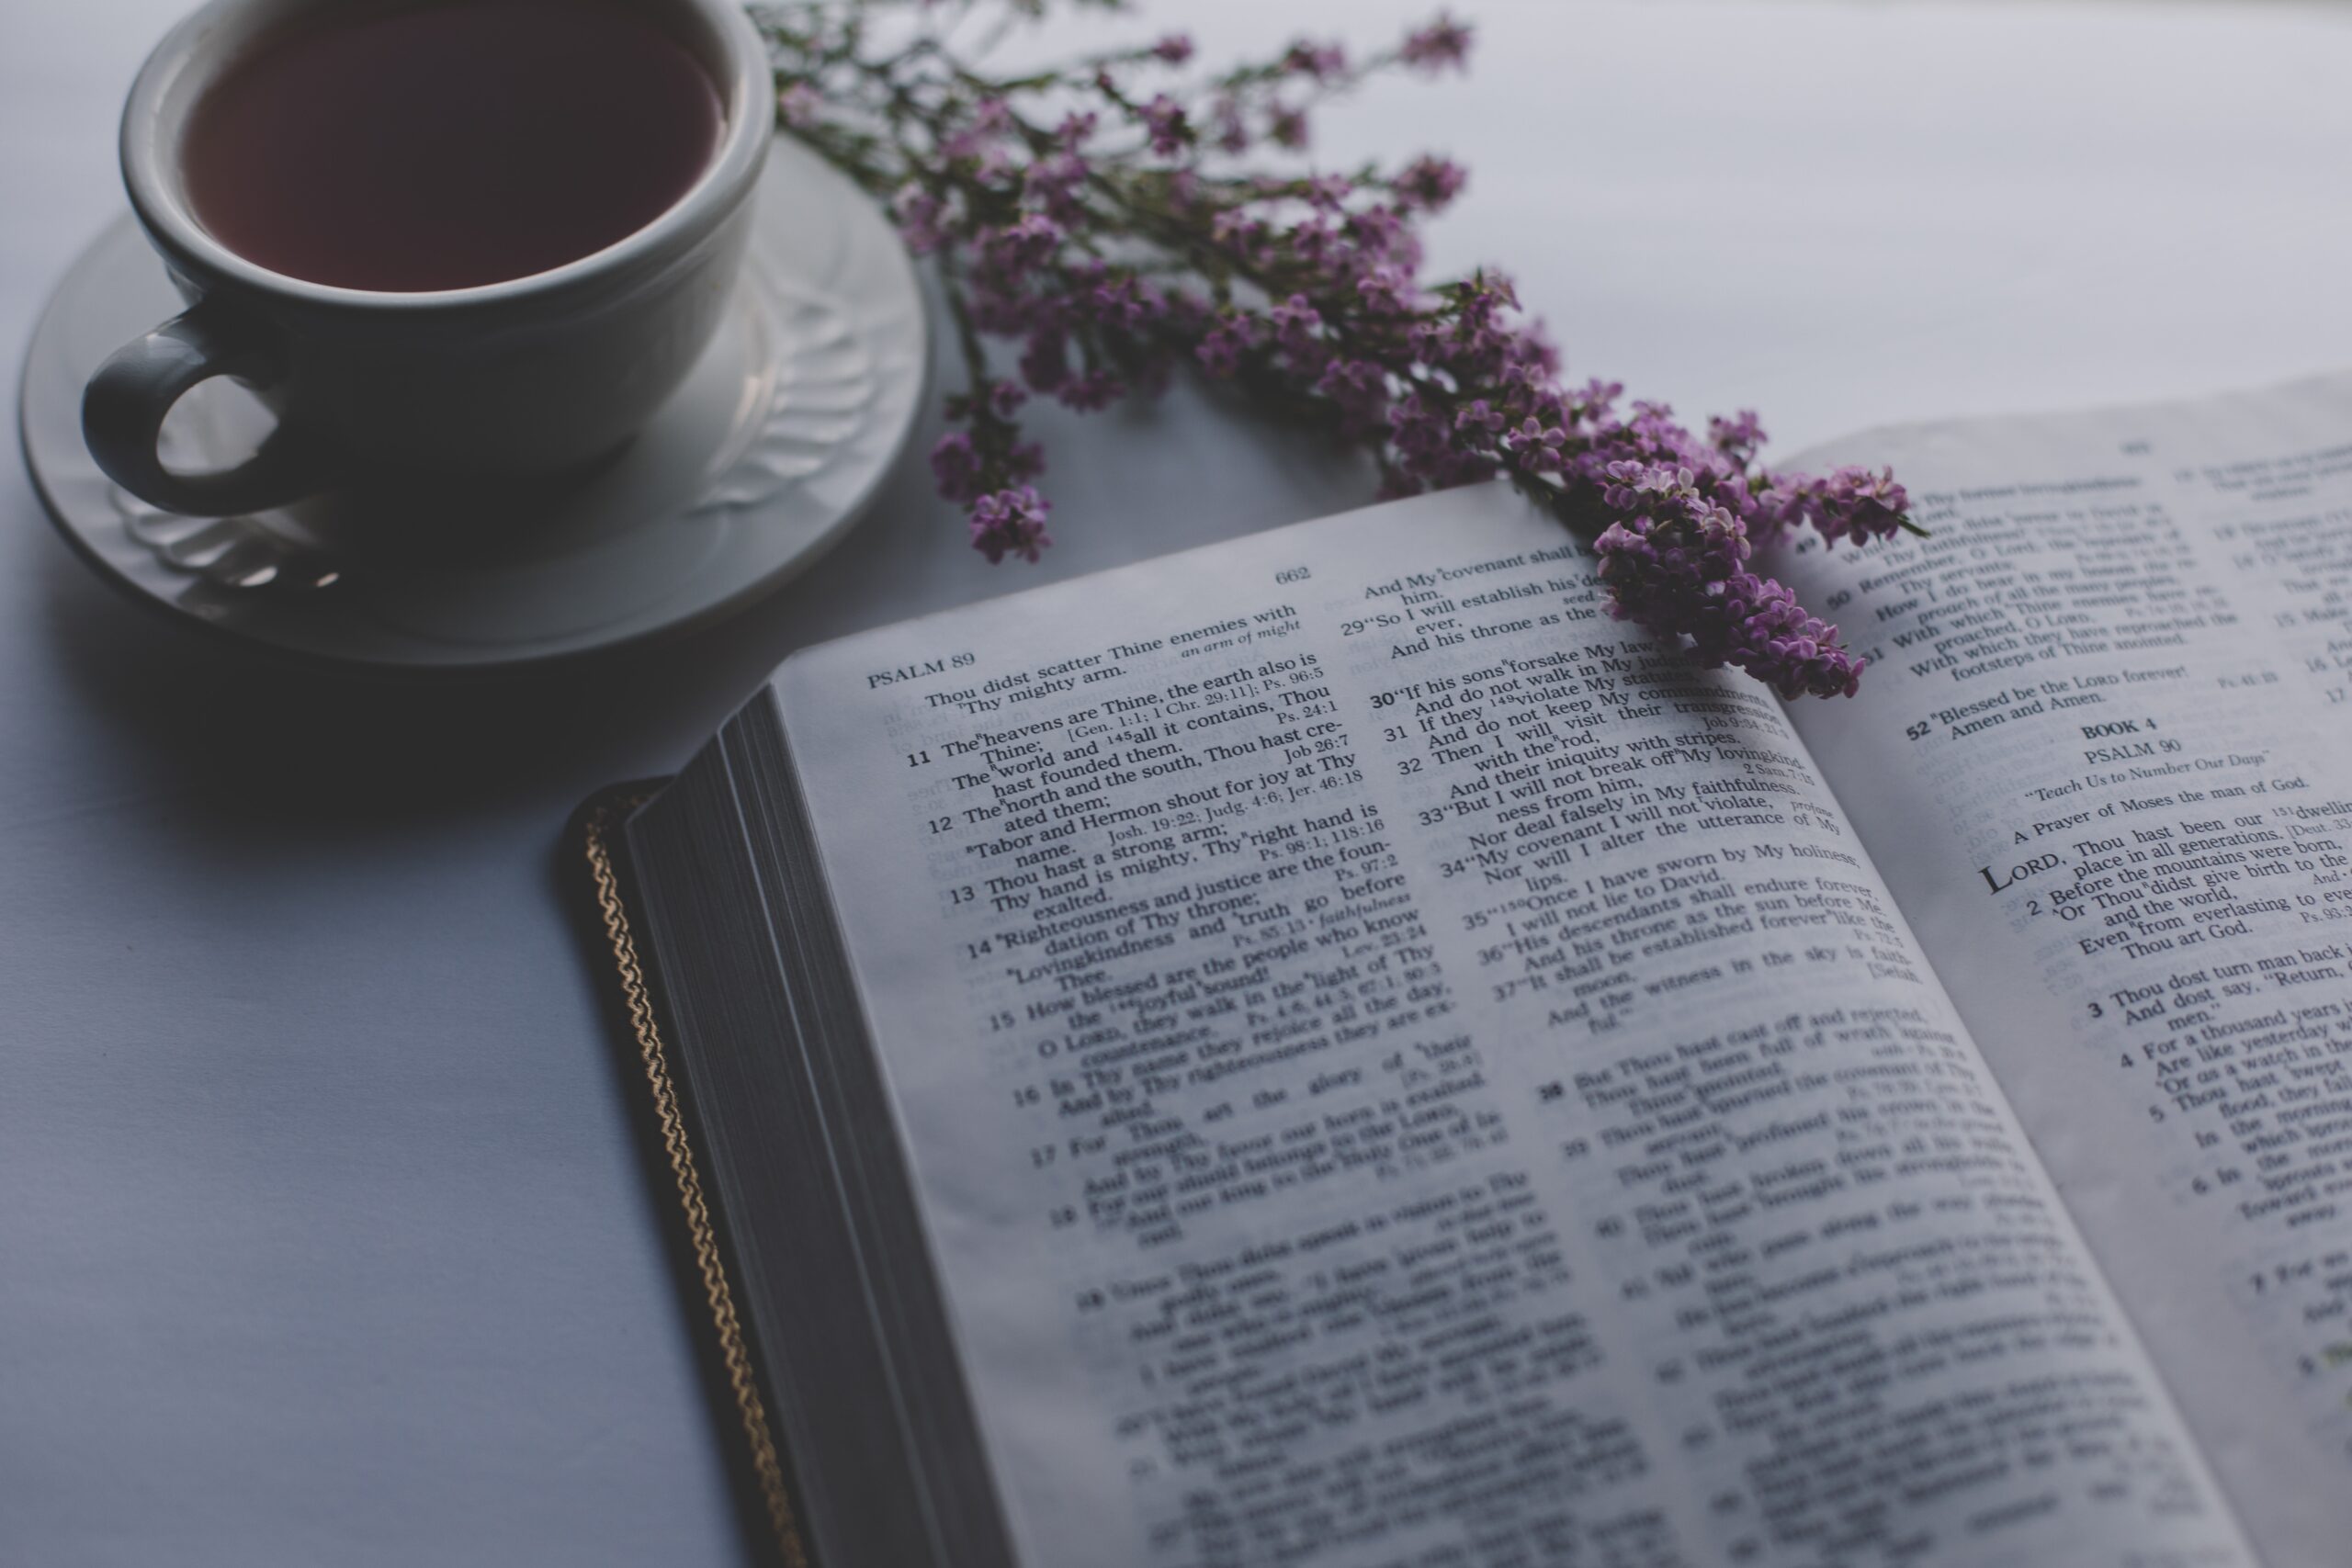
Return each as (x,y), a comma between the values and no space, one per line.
(1328,1050)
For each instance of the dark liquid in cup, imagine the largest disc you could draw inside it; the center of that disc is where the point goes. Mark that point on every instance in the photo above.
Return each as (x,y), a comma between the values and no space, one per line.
(449,145)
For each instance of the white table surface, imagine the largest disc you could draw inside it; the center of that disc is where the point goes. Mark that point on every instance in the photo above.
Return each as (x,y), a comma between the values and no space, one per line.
(322,1236)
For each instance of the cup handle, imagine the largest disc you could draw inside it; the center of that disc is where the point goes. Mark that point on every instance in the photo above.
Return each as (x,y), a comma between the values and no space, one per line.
(124,405)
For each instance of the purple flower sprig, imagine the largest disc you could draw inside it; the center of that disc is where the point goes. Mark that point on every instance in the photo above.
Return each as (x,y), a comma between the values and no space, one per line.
(1102,219)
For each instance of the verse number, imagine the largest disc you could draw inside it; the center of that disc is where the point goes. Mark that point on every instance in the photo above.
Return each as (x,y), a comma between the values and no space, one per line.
(941,824)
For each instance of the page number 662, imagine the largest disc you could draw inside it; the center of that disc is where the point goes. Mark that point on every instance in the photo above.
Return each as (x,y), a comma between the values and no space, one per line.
(1293,574)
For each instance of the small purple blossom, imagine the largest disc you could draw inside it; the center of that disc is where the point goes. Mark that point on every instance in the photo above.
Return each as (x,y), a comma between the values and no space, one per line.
(1384,292)
(1739,438)
(1126,302)
(1240,234)
(1226,127)
(1004,398)
(1021,245)
(956,466)
(1319,243)
(1163,119)
(1223,347)
(1417,433)
(1385,237)
(1478,415)
(1444,43)
(1175,49)
(1535,445)
(1430,182)
(1295,322)
(1321,61)
(1051,186)
(1010,523)
(917,213)
(1329,192)
(977,139)
(798,106)
(1091,392)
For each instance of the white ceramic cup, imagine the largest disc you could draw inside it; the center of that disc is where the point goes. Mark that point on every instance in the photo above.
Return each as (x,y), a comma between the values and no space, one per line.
(533,375)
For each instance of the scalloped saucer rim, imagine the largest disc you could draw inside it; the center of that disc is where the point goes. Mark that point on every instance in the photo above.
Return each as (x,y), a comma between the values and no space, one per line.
(774,447)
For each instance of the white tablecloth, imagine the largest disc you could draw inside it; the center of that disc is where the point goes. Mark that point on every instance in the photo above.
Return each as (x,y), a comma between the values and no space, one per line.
(321,1234)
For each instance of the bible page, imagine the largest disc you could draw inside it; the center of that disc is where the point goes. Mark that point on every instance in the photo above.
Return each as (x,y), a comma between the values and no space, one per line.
(1402,1069)
(2103,757)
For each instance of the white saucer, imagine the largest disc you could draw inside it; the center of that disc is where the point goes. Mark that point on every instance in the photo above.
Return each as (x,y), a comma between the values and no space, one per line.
(766,456)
